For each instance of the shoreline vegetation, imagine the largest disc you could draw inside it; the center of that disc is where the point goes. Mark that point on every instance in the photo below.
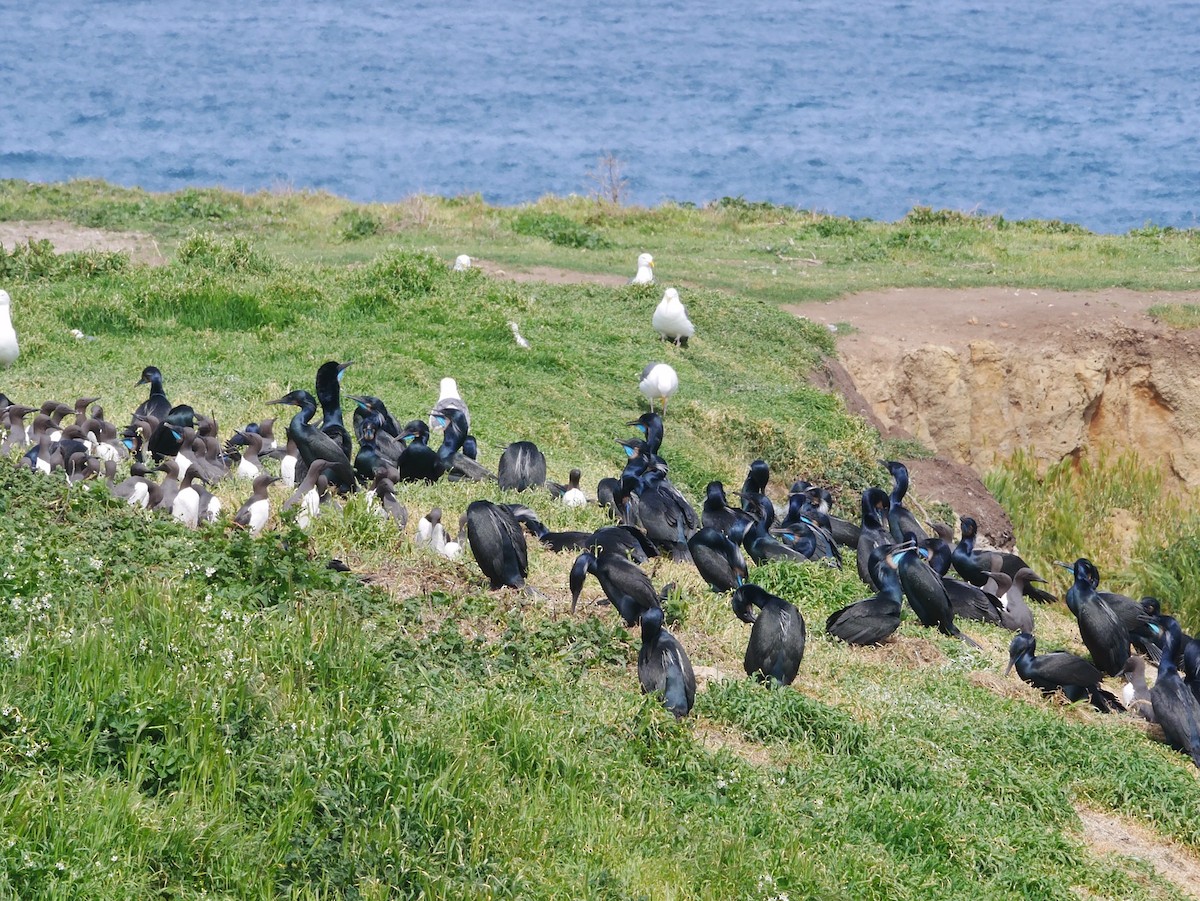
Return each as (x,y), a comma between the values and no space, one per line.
(204,714)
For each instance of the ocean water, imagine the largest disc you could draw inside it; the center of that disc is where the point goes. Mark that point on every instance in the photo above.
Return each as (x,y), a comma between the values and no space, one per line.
(1082,111)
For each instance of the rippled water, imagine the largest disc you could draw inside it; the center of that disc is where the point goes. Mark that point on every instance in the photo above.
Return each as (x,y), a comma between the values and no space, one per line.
(1084,111)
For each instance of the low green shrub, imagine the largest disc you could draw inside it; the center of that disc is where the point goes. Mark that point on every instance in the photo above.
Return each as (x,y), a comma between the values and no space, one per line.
(558,229)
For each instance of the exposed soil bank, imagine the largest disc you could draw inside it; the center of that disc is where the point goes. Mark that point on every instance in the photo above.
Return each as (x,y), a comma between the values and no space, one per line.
(978,374)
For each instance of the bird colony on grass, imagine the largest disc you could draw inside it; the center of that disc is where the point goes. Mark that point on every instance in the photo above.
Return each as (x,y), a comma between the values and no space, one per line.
(174,454)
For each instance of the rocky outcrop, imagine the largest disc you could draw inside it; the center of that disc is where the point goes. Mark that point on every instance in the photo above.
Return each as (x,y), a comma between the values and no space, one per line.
(1063,396)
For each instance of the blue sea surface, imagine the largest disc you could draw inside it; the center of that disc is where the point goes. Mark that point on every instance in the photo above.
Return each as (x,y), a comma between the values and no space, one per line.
(1081,111)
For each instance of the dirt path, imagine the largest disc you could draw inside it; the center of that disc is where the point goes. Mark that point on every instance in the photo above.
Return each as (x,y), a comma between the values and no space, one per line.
(548,274)
(955,317)
(69,238)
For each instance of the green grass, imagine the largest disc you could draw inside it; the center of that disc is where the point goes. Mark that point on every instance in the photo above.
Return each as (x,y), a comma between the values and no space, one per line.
(1177,315)
(202,714)
(1114,510)
(756,250)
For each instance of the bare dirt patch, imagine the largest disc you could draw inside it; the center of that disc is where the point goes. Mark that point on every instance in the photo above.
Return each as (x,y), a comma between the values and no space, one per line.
(69,238)
(1108,834)
(717,738)
(956,317)
(548,274)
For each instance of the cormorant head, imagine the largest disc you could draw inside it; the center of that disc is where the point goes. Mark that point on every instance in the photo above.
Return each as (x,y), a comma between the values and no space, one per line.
(297,398)
(652,624)
(150,376)
(584,563)
(1023,643)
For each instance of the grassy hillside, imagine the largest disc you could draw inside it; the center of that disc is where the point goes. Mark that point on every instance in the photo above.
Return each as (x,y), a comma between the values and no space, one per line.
(204,714)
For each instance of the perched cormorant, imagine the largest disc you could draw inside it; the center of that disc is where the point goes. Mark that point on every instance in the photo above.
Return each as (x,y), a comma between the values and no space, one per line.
(329,395)
(874,533)
(776,644)
(497,544)
(927,595)
(763,548)
(900,520)
(651,427)
(1060,671)
(665,515)
(625,541)
(757,477)
(522,466)
(1175,707)
(718,560)
(313,444)
(1103,628)
(622,581)
(874,619)
(718,514)
(663,665)
(974,564)
(156,405)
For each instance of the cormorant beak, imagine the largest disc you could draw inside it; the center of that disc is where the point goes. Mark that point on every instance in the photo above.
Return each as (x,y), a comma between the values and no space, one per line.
(342,368)
(142,381)
(1008,669)
(1067,566)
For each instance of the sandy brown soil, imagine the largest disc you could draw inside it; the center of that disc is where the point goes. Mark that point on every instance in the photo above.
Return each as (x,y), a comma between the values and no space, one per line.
(69,238)
(955,317)
(547,274)
(1108,835)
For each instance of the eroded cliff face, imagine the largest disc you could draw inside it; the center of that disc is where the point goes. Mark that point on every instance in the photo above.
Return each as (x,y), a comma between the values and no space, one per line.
(1065,394)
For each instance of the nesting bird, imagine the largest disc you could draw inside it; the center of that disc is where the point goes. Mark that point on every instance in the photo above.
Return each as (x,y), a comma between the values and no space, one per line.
(645,270)
(255,512)
(670,319)
(9,349)
(462,263)
(658,381)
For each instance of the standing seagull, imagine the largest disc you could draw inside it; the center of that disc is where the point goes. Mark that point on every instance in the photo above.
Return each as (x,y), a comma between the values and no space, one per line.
(670,319)
(659,380)
(645,270)
(8,335)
